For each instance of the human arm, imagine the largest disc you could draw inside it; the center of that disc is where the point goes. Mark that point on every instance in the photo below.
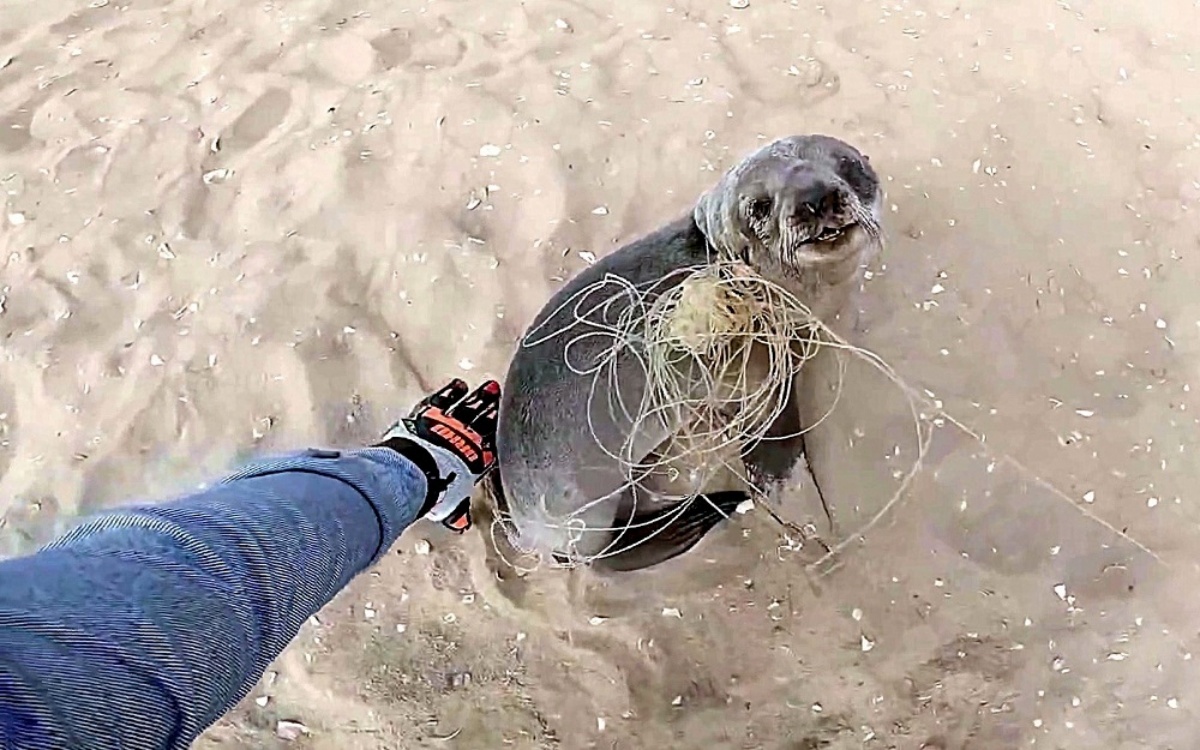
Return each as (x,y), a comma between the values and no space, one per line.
(144,625)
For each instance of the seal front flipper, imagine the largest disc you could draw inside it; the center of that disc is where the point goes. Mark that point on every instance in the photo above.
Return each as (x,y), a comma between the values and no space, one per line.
(769,465)
(645,539)
(771,460)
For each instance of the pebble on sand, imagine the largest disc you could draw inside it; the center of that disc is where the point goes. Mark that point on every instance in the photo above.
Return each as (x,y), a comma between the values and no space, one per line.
(290,731)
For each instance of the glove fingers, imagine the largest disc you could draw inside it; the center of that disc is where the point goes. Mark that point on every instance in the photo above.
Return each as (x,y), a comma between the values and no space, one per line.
(485,424)
(480,409)
(446,396)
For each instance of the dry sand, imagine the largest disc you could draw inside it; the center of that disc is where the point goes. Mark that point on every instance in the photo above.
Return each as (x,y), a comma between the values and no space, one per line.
(232,227)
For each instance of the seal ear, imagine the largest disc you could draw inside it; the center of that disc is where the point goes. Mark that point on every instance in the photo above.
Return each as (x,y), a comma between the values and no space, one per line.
(715,219)
(709,218)
(705,215)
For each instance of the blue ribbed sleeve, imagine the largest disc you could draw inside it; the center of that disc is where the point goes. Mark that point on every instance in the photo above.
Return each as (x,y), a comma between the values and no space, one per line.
(142,626)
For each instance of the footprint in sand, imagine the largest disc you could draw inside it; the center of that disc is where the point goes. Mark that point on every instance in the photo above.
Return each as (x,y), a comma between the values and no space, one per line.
(437,45)
(394,48)
(256,123)
(15,126)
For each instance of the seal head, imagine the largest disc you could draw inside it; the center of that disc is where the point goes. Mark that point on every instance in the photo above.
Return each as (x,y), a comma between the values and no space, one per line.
(797,205)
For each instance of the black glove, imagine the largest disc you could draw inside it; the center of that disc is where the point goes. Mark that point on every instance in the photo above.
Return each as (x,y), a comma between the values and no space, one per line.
(451,437)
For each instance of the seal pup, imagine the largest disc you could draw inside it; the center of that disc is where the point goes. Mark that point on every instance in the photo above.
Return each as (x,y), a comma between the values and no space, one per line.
(803,211)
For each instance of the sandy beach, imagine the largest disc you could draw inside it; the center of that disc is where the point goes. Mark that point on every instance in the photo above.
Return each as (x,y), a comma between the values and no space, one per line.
(231,228)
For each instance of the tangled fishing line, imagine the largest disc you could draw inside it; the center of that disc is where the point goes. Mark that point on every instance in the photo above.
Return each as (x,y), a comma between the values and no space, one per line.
(719,352)
(719,347)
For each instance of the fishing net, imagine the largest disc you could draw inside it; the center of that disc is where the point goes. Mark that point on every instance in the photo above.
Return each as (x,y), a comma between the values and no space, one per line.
(719,347)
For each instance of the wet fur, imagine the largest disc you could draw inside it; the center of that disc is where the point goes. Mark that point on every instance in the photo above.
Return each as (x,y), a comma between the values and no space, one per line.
(543,443)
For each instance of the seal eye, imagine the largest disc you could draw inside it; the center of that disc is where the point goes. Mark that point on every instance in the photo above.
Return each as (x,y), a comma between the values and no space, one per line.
(759,209)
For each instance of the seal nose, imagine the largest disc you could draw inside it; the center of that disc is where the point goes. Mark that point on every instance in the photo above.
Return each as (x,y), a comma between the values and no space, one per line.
(809,198)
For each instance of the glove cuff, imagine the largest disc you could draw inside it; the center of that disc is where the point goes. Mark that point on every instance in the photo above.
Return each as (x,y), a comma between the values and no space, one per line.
(420,456)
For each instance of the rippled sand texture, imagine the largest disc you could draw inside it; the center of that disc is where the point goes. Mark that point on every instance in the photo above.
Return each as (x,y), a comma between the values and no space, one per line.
(245,226)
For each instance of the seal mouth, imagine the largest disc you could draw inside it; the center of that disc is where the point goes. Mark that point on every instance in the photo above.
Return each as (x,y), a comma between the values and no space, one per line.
(829,235)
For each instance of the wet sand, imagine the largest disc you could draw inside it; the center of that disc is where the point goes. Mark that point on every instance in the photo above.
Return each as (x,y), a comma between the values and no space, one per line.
(231,228)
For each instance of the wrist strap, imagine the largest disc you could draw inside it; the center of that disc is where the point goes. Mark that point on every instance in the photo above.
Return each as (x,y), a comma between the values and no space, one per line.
(424,461)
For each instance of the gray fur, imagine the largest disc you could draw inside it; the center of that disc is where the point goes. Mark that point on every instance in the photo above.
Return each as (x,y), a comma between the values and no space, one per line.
(547,456)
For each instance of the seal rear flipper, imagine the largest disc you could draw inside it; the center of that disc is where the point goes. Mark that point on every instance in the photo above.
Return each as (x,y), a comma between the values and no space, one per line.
(652,538)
